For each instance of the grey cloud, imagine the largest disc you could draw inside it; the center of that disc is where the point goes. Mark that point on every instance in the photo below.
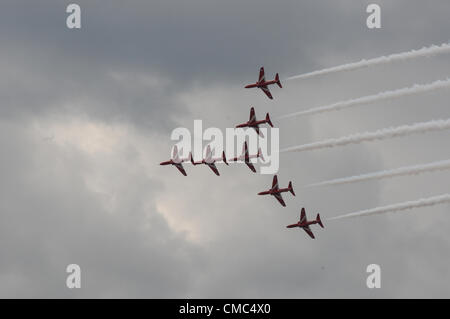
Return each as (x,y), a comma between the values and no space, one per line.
(139,63)
(130,251)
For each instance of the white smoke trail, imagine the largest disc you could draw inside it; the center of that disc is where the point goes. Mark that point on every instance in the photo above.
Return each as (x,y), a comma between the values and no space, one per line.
(415,89)
(371,136)
(401,171)
(431,201)
(425,51)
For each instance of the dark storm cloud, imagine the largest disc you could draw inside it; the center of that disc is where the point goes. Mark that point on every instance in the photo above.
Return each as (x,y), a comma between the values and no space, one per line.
(183,44)
(186,38)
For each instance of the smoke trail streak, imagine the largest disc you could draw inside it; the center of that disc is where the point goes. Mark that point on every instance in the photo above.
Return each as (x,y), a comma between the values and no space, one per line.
(401,171)
(425,51)
(431,201)
(382,134)
(387,95)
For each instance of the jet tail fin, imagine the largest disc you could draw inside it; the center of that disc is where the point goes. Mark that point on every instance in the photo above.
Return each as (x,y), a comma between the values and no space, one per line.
(277,79)
(187,159)
(224,158)
(192,159)
(175,156)
(268,120)
(260,155)
(291,189)
(319,221)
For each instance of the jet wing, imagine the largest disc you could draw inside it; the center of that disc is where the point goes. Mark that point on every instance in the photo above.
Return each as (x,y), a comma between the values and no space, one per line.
(175,157)
(265,89)
(252,115)
(280,199)
(303,216)
(214,169)
(309,232)
(244,150)
(275,182)
(258,131)
(261,77)
(250,165)
(208,157)
(181,169)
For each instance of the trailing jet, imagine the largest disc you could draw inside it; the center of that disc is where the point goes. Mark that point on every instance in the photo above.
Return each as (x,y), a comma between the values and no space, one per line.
(175,160)
(210,161)
(303,223)
(263,84)
(252,122)
(246,158)
(276,191)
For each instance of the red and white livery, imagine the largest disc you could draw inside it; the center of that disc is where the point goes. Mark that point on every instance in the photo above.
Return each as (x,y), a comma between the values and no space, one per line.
(263,84)
(253,123)
(304,223)
(276,191)
(246,157)
(177,161)
(210,161)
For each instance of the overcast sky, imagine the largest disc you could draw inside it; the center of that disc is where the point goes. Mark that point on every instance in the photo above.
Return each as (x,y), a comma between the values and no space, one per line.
(86,117)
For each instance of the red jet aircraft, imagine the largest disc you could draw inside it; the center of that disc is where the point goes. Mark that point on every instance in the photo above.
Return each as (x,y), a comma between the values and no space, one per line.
(263,84)
(246,158)
(210,161)
(252,122)
(175,160)
(303,223)
(276,192)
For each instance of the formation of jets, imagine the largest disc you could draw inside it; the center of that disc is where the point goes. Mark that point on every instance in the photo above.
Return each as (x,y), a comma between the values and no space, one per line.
(253,123)
(210,161)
